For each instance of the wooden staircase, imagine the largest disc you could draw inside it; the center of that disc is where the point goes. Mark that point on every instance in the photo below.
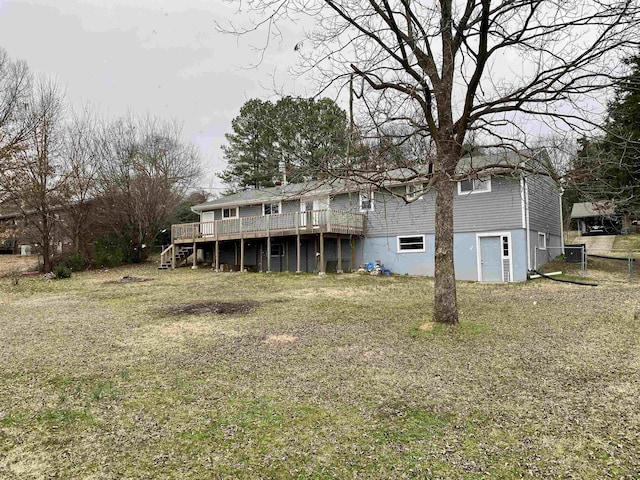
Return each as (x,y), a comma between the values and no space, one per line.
(182,253)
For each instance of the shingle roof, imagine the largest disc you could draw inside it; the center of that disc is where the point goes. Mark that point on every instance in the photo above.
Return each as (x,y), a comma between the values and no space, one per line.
(468,165)
(593,209)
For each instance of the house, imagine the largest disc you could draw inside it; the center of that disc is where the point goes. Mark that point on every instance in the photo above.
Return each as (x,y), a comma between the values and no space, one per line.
(504,226)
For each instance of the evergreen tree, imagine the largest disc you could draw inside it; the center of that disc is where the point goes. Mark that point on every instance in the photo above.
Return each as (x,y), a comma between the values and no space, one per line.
(309,136)
(250,152)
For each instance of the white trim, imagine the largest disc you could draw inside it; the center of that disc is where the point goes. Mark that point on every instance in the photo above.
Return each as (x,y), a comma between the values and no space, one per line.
(528,227)
(522,201)
(271,204)
(237,214)
(419,250)
(561,221)
(418,187)
(544,238)
(498,235)
(486,181)
(371,196)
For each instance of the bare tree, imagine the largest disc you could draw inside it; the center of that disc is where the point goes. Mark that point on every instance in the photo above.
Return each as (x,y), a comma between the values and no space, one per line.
(453,68)
(144,171)
(15,88)
(33,180)
(81,175)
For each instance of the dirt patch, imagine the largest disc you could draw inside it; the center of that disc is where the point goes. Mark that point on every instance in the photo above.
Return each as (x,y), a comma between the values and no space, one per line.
(426,327)
(129,279)
(214,308)
(280,339)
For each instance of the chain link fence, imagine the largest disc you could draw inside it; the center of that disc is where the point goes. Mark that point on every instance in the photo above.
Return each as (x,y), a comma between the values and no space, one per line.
(620,264)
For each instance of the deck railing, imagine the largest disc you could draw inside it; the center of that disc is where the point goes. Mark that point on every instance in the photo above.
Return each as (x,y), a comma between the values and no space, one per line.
(330,221)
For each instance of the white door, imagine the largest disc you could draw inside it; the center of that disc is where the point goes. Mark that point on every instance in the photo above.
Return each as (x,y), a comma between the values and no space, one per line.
(313,212)
(306,210)
(491,259)
(207,228)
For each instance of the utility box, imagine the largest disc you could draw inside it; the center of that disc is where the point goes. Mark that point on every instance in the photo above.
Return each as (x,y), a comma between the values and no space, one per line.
(573,253)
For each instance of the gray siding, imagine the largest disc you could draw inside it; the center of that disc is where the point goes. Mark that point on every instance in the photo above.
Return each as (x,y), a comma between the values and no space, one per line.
(290,206)
(251,210)
(499,209)
(544,205)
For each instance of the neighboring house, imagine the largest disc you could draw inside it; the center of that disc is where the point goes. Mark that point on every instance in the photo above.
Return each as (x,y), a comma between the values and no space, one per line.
(18,230)
(504,226)
(12,232)
(596,218)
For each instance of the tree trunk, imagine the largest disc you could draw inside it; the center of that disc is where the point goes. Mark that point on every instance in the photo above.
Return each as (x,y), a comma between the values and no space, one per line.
(46,256)
(445,308)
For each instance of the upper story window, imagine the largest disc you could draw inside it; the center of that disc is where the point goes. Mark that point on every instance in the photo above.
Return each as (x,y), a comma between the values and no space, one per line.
(230,212)
(367,202)
(474,185)
(271,208)
(414,191)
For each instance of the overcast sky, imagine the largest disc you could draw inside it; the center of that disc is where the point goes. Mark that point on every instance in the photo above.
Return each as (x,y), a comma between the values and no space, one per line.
(165,57)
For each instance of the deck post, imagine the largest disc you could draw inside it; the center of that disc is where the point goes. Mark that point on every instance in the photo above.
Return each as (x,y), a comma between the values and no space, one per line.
(195,255)
(298,253)
(353,253)
(322,269)
(173,256)
(339,245)
(268,254)
(286,256)
(217,255)
(242,254)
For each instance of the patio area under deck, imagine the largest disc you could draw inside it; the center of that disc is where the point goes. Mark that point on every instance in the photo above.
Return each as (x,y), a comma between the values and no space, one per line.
(334,223)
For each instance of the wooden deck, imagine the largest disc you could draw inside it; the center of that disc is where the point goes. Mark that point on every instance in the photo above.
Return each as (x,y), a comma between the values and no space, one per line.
(264,226)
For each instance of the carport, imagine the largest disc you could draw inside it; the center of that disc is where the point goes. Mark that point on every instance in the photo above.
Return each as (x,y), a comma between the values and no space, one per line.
(596,218)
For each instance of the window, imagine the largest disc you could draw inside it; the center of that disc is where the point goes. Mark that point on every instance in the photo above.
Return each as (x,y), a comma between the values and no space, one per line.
(505,246)
(271,208)
(474,185)
(542,241)
(414,191)
(366,202)
(277,249)
(230,212)
(414,243)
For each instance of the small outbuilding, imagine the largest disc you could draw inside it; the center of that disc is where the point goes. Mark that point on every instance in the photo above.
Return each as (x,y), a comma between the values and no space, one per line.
(596,218)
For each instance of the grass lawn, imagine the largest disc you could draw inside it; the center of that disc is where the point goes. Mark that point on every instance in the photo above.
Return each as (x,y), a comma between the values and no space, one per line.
(315,377)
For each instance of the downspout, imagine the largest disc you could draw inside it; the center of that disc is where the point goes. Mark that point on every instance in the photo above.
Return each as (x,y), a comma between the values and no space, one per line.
(561,221)
(525,200)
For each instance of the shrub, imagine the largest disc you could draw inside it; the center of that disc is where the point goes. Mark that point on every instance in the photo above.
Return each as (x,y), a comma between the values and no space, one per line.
(62,271)
(108,251)
(76,262)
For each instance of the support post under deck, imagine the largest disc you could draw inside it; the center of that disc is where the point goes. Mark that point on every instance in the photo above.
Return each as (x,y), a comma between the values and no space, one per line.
(242,254)
(322,268)
(298,253)
(268,254)
(339,248)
